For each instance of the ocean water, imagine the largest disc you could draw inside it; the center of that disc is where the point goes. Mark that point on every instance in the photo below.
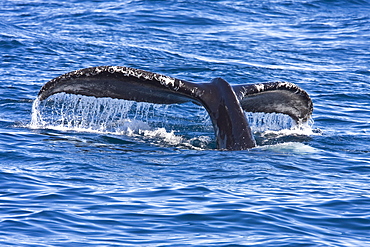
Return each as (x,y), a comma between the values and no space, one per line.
(101,172)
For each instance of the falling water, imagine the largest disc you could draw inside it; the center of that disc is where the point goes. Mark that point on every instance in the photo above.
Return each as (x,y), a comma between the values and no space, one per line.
(106,115)
(83,113)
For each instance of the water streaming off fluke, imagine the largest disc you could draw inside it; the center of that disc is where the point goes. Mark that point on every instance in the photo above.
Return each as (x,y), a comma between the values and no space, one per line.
(159,123)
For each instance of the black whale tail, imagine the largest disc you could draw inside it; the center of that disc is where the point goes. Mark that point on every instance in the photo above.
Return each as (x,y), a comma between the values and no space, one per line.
(223,102)
(231,127)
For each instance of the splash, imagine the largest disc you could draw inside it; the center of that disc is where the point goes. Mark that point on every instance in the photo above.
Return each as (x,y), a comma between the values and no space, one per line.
(106,115)
(75,112)
(158,123)
(268,123)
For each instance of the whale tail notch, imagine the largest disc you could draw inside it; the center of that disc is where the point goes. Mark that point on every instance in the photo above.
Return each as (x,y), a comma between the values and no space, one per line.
(223,102)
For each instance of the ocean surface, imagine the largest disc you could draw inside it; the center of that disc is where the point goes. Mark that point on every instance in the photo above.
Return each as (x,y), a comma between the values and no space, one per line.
(80,171)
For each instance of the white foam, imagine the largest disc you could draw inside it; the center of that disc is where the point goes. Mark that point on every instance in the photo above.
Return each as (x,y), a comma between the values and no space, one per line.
(290,147)
(65,111)
(161,133)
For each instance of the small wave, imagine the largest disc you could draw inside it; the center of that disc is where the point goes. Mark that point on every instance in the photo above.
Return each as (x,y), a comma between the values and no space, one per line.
(290,147)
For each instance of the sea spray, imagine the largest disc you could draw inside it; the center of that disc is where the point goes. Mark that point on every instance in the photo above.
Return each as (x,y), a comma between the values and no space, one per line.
(260,122)
(106,115)
(89,113)
(36,119)
(162,124)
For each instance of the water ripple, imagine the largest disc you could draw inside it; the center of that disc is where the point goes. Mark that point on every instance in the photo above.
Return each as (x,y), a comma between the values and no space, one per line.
(67,187)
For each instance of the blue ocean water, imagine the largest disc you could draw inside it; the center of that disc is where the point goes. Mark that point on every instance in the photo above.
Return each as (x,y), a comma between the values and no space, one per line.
(154,177)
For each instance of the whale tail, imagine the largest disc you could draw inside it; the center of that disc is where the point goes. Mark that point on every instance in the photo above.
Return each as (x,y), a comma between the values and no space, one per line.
(223,102)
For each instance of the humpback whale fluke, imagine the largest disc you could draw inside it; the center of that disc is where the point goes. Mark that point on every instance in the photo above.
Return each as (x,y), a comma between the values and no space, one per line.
(223,102)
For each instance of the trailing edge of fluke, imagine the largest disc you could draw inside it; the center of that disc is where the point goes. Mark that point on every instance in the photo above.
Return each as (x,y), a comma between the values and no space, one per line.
(223,102)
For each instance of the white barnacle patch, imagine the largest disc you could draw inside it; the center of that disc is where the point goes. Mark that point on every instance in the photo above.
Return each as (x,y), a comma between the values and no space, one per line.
(289,85)
(285,85)
(260,87)
(126,71)
(131,72)
(112,69)
(98,70)
(78,73)
(119,69)
(166,81)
